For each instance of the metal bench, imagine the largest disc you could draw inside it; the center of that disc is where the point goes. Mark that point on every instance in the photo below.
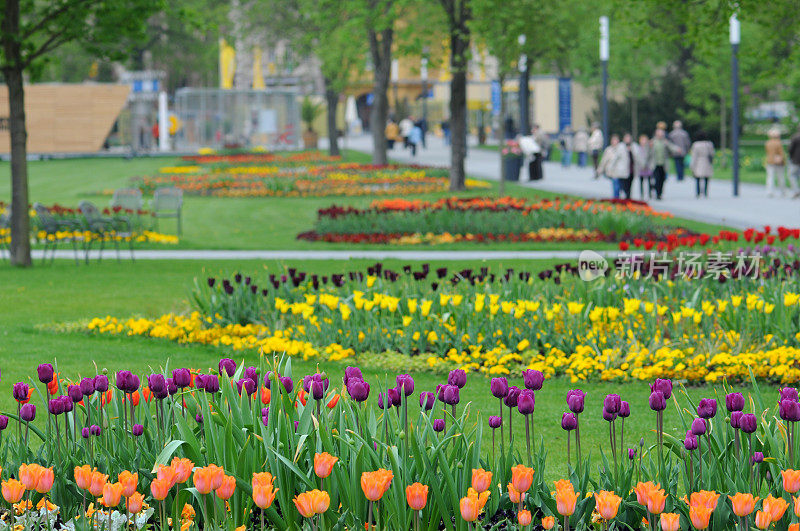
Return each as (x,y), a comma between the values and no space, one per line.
(167,203)
(52,227)
(103,227)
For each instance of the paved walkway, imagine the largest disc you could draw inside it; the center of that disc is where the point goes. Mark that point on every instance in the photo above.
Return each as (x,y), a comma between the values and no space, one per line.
(751,209)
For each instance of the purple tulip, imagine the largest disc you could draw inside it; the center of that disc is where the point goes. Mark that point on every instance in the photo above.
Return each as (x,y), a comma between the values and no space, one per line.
(86,432)
(440,392)
(526,402)
(395,396)
(657,401)
(124,381)
(287,383)
(748,423)
(20,391)
(758,457)
(438,424)
(3,422)
(269,377)
(698,427)
(358,389)
(495,422)
(451,394)
(211,383)
(609,415)
(55,406)
(352,373)
(137,430)
(27,412)
(157,383)
(307,382)
(575,400)
(227,366)
(87,386)
(533,379)
(247,384)
(789,410)
(788,393)
(569,421)
(182,377)
(134,383)
(736,419)
(499,387)
(690,442)
(74,392)
(66,403)
(252,373)
(101,383)
(199,382)
(45,372)
(427,400)
(612,404)
(405,384)
(457,377)
(512,397)
(707,408)
(734,402)
(624,409)
(95,430)
(317,390)
(199,418)
(663,386)
(631,453)
(296,425)
(171,387)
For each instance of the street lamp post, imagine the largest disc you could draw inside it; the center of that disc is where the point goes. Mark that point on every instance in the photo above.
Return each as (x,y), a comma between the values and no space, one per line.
(735,37)
(424,75)
(395,79)
(604,54)
(524,95)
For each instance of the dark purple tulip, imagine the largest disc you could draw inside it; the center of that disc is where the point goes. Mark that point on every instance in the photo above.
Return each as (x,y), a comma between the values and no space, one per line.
(427,400)
(384,402)
(317,390)
(288,384)
(734,401)
(575,400)
(690,442)
(227,366)
(66,403)
(137,430)
(45,372)
(569,421)
(134,383)
(457,377)
(758,457)
(74,392)
(499,387)
(631,453)
(95,430)
(495,422)
(395,396)
(252,373)
(307,382)
(512,397)
(199,382)
(3,422)
(748,423)
(707,408)
(265,420)
(297,425)
(608,415)
(171,387)
(86,432)
(199,418)
(698,427)
(358,389)
(211,383)
(405,383)
(736,419)
(533,379)
(664,386)
(788,393)
(612,404)
(124,381)
(55,406)
(451,394)
(27,412)
(526,402)
(438,424)
(101,383)
(440,392)
(657,401)
(789,410)
(624,409)
(352,373)
(182,377)
(20,391)
(268,379)
(87,386)
(247,384)
(157,383)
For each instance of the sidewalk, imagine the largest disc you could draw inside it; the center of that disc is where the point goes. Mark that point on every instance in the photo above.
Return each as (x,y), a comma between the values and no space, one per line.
(751,209)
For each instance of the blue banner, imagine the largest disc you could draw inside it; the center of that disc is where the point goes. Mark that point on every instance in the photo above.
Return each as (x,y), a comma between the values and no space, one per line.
(496,96)
(564,103)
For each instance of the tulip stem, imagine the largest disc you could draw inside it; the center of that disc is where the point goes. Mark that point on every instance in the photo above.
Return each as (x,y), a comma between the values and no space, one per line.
(502,437)
(622,438)
(566,523)
(528,439)
(510,428)
(569,459)
(369,516)
(493,453)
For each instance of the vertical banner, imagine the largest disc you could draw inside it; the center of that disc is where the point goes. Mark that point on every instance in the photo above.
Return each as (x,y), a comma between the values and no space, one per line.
(227,64)
(258,76)
(496,96)
(564,103)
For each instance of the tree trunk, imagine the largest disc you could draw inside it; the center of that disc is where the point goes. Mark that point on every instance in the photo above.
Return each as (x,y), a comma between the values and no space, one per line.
(723,129)
(459,46)
(381,50)
(12,71)
(634,116)
(332,98)
(501,137)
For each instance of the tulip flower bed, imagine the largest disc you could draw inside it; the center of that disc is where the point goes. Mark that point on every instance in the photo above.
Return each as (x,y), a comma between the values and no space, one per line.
(260,447)
(489,219)
(700,329)
(277,158)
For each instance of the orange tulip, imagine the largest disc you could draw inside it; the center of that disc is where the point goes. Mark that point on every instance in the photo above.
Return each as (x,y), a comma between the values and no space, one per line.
(375,484)
(775,507)
(129,482)
(13,490)
(83,476)
(763,520)
(167,473)
(791,480)
(670,522)
(565,501)
(643,490)
(52,387)
(217,474)
(481,479)
(548,522)
(564,484)
(706,498)
(417,496)
(333,401)
(301,395)
(225,491)
(147,394)
(743,504)
(262,478)
(700,515)
(263,494)
(45,482)
(656,501)
(312,502)
(112,493)
(160,488)
(514,495)
(796,506)
(183,469)
(203,480)
(470,508)
(794,527)
(524,518)
(134,502)
(323,464)
(521,477)
(98,482)
(321,501)
(29,475)
(607,504)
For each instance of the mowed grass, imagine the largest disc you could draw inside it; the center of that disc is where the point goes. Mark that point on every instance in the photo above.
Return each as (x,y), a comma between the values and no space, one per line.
(245,223)
(65,293)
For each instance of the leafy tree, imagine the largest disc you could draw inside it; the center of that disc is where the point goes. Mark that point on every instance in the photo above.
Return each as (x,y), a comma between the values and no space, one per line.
(29,31)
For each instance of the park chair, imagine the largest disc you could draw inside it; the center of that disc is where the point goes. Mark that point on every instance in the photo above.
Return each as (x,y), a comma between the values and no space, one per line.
(5,225)
(52,226)
(103,227)
(167,203)
(128,199)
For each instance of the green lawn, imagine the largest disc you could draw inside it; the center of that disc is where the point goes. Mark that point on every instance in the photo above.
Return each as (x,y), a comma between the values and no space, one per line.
(66,293)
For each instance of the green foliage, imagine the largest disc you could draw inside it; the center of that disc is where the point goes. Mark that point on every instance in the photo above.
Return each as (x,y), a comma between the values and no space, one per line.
(309,111)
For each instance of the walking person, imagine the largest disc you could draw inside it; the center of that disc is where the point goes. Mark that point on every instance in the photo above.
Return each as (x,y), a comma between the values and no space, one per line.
(446,132)
(634,164)
(644,152)
(566,141)
(414,138)
(580,143)
(392,133)
(509,129)
(406,125)
(681,142)
(660,154)
(794,162)
(615,164)
(533,151)
(702,164)
(775,162)
(595,146)
(423,126)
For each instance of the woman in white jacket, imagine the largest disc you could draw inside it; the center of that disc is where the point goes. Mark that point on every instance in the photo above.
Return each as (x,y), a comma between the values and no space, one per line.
(702,166)
(615,164)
